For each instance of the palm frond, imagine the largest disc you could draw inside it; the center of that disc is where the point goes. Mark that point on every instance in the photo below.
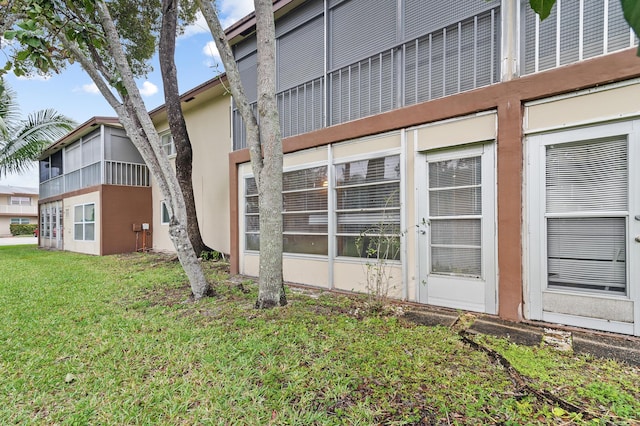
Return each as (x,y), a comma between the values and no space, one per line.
(22,141)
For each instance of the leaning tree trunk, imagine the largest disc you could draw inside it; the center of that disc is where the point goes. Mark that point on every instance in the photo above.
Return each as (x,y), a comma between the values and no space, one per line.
(184,152)
(271,290)
(137,123)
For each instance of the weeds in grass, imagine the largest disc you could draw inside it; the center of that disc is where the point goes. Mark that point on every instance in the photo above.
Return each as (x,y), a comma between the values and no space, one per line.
(137,355)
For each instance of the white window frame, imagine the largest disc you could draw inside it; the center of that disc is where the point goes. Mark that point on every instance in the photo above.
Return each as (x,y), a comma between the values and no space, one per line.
(170,146)
(245,214)
(535,233)
(17,200)
(84,222)
(334,234)
(163,209)
(19,221)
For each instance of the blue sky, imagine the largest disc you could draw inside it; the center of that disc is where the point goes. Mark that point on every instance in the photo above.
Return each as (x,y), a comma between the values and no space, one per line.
(73,93)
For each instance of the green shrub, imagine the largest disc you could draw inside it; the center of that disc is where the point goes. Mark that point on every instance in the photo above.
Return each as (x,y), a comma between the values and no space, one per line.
(22,229)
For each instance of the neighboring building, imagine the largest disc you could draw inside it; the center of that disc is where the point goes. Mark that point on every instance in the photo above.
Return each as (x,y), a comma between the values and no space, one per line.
(206,112)
(95,192)
(18,206)
(498,148)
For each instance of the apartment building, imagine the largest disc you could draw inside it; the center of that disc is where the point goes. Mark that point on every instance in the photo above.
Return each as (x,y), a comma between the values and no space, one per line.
(18,206)
(95,192)
(498,149)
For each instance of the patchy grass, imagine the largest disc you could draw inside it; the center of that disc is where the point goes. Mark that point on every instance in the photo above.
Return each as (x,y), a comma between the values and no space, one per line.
(107,340)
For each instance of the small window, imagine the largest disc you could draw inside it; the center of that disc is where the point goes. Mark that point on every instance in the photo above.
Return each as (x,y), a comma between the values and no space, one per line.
(84,222)
(19,221)
(21,201)
(165,217)
(166,142)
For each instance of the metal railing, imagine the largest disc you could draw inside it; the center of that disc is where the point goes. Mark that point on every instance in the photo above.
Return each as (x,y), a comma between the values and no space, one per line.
(576,30)
(16,209)
(453,59)
(122,173)
(115,173)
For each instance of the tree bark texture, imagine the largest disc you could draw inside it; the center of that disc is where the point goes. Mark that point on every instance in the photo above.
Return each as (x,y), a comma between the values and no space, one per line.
(264,139)
(140,129)
(177,124)
(271,290)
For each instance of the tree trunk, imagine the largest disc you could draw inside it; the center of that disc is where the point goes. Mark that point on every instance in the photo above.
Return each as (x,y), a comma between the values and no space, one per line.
(261,140)
(184,152)
(271,289)
(137,123)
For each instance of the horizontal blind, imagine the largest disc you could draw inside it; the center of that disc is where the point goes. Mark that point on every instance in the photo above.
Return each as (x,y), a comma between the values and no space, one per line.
(248,68)
(455,216)
(585,252)
(299,16)
(368,205)
(589,176)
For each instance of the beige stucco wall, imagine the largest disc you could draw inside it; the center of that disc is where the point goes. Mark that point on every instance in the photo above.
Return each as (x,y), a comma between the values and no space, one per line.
(88,247)
(458,131)
(366,145)
(601,104)
(4,226)
(210,134)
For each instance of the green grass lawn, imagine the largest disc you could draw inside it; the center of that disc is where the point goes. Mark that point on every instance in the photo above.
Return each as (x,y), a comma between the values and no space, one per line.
(107,340)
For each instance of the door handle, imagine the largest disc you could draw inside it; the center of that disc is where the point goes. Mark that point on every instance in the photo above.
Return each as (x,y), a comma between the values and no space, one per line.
(638,239)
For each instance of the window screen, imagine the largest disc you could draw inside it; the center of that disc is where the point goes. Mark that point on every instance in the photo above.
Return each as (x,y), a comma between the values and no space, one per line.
(455,216)
(305,204)
(368,207)
(586,197)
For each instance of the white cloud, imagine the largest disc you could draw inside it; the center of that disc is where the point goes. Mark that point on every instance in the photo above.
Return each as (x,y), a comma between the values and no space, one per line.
(148,89)
(90,88)
(198,27)
(232,11)
(211,50)
(229,11)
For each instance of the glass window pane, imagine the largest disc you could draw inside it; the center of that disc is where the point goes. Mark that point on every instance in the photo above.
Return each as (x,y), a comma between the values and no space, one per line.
(89,231)
(587,254)
(589,176)
(455,260)
(370,246)
(307,244)
(456,232)
(252,242)
(455,202)
(78,214)
(455,173)
(166,218)
(304,201)
(303,222)
(89,212)
(78,231)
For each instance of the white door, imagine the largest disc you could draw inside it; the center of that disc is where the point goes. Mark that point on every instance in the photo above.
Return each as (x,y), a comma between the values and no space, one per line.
(457,251)
(583,210)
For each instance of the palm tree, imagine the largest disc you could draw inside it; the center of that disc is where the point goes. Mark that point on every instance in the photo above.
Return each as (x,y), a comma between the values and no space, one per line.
(22,141)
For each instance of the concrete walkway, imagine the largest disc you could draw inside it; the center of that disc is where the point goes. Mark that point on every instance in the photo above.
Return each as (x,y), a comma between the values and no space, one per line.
(599,344)
(16,241)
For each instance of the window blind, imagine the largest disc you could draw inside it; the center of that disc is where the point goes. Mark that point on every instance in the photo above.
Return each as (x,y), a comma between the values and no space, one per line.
(587,252)
(455,216)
